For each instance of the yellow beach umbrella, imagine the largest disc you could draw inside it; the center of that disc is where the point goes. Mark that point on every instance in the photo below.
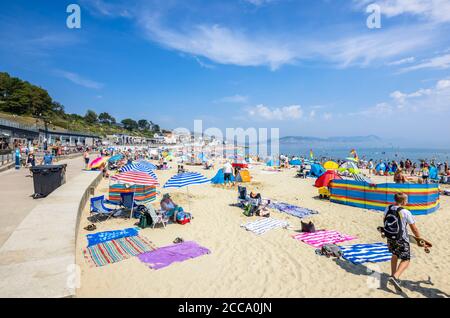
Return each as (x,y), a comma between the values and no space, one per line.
(330,165)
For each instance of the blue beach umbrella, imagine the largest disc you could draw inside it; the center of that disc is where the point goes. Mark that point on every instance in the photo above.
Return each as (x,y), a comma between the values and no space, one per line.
(116,158)
(146,164)
(185,180)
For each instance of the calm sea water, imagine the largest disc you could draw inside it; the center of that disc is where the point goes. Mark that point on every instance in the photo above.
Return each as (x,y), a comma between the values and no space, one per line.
(439,155)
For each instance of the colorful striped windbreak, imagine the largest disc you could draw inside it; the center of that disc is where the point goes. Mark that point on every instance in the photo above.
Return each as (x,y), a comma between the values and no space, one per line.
(141,193)
(422,198)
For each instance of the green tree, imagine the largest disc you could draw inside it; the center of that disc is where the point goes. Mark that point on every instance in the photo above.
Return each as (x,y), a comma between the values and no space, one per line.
(106,118)
(91,117)
(143,124)
(129,124)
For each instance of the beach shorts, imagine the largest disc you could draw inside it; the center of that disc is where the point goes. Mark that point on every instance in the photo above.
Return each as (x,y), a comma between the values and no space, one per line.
(227,177)
(401,248)
(86,160)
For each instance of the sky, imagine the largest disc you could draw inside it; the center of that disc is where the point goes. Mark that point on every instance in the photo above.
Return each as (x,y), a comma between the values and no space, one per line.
(309,68)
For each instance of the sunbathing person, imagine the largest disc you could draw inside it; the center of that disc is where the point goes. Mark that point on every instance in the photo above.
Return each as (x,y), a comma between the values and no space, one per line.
(172,210)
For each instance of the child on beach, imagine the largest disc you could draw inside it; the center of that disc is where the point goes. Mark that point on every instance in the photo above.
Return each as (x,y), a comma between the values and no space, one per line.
(396,219)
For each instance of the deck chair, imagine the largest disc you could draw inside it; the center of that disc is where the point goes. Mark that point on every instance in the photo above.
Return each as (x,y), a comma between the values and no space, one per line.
(127,202)
(158,217)
(243,197)
(98,208)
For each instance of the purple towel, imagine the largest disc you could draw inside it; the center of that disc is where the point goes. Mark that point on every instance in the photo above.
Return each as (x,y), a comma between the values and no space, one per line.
(165,256)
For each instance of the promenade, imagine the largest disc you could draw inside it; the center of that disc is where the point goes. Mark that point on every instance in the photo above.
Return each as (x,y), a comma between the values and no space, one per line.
(16,191)
(37,244)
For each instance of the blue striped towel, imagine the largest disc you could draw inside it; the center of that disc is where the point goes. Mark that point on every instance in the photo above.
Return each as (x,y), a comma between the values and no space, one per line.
(362,253)
(292,209)
(263,225)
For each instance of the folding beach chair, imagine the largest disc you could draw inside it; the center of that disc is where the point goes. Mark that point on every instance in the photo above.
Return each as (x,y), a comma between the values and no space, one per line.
(127,202)
(98,208)
(243,197)
(158,217)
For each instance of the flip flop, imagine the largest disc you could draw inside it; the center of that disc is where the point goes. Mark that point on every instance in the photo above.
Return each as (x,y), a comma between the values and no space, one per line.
(178,240)
(90,227)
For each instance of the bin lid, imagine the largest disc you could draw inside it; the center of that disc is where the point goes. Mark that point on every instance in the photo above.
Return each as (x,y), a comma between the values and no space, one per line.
(48,168)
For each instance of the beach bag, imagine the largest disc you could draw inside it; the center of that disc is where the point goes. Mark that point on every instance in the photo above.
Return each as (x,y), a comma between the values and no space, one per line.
(183,217)
(248,210)
(308,227)
(145,220)
(393,228)
(331,250)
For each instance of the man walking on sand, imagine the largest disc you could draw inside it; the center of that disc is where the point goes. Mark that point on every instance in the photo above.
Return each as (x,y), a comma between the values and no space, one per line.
(396,219)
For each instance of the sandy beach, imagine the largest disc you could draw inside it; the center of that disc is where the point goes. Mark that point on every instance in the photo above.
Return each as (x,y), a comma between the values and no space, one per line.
(242,264)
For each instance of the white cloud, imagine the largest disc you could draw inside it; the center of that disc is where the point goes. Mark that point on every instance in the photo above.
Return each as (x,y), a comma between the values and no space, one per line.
(235,99)
(78,79)
(402,61)
(439,62)
(437,11)
(434,99)
(258,2)
(279,113)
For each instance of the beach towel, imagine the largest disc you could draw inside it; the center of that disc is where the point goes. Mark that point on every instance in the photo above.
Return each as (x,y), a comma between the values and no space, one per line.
(102,237)
(362,253)
(292,209)
(114,251)
(320,238)
(263,225)
(164,256)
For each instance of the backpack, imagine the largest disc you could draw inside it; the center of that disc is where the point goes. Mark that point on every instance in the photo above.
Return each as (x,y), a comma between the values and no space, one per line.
(248,210)
(308,227)
(330,250)
(145,220)
(393,228)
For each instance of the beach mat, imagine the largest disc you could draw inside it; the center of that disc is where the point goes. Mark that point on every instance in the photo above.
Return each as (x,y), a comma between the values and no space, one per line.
(114,251)
(102,237)
(363,253)
(264,225)
(164,256)
(292,209)
(320,238)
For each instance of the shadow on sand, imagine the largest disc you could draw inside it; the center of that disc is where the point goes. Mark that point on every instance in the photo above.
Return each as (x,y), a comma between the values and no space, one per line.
(417,287)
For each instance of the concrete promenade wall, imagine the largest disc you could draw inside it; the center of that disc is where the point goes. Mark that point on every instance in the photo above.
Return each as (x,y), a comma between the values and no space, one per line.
(38,259)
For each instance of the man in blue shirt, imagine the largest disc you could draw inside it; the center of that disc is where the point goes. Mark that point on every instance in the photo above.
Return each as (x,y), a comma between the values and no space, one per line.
(48,159)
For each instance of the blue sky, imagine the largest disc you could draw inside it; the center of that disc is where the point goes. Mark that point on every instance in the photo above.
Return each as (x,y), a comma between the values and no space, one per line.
(310,68)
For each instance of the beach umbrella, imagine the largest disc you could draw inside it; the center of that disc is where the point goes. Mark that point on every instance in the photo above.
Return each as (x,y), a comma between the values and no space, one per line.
(135,178)
(146,164)
(138,167)
(98,162)
(330,165)
(186,179)
(116,158)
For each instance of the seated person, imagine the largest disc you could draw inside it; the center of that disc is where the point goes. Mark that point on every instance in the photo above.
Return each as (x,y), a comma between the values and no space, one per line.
(181,169)
(172,210)
(301,171)
(399,177)
(255,201)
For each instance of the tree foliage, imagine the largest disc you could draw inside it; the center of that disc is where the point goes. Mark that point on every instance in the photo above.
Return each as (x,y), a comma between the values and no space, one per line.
(24,99)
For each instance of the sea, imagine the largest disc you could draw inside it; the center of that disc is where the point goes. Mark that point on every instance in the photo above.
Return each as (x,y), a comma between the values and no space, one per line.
(385,154)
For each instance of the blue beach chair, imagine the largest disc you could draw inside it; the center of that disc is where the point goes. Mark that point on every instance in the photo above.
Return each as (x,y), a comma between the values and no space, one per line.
(98,208)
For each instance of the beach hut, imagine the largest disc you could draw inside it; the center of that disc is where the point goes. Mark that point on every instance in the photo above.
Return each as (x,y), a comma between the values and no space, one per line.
(326,178)
(219,178)
(422,198)
(317,170)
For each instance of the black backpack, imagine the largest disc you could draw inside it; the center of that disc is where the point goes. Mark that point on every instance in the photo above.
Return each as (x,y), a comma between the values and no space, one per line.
(393,228)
